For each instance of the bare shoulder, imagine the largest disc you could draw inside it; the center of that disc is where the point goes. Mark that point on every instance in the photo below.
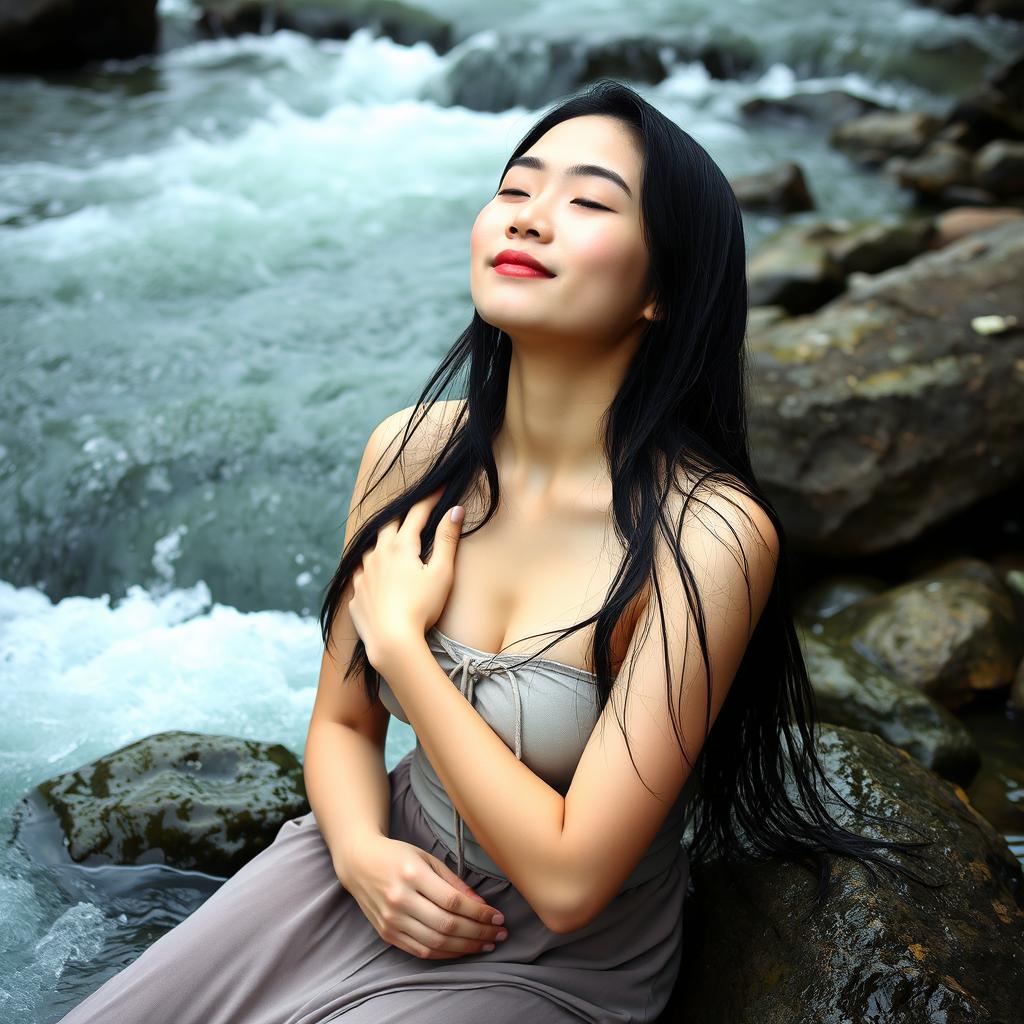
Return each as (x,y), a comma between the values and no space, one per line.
(726,536)
(422,427)
(404,443)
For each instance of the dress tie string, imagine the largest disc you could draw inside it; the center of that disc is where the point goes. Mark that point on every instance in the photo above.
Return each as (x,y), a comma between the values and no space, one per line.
(470,669)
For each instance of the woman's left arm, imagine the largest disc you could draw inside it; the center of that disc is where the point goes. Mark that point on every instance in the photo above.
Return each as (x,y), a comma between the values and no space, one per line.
(513,813)
(568,856)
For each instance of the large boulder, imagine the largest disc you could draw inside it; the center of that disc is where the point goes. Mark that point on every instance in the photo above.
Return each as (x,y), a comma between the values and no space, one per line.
(186,800)
(893,407)
(889,951)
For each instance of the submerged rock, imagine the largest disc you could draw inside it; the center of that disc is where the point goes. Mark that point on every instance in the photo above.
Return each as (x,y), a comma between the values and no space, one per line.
(187,800)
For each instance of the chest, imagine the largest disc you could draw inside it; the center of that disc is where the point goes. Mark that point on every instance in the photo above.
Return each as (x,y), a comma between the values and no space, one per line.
(532,569)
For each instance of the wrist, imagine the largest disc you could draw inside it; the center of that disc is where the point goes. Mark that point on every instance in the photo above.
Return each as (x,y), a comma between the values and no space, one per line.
(395,648)
(347,858)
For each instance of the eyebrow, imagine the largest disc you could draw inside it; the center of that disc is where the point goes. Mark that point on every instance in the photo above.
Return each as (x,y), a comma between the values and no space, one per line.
(535,163)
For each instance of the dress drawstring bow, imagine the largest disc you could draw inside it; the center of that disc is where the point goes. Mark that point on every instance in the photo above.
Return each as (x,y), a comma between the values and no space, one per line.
(468,670)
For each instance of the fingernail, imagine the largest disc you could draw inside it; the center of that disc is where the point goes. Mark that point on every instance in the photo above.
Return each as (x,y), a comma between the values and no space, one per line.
(489,946)
(457,513)
(502,935)
(498,919)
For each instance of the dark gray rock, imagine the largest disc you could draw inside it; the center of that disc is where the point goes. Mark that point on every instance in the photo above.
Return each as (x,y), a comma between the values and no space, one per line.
(493,71)
(886,412)
(55,35)
(781,189)
(892,951)
(830,107)
(873,138)
(794,268)
(948,633)
(852,691)
(405,23)
(802,266)
(187,800)
(999,168)
(941,166)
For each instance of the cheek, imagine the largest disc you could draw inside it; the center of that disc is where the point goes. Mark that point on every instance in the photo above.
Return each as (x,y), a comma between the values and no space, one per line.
(481,234)
(605,251)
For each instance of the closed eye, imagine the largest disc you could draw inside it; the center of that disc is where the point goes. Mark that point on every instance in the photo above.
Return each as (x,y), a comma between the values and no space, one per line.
(583,202)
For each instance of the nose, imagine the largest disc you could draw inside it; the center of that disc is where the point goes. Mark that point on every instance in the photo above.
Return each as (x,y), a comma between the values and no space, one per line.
(527,219)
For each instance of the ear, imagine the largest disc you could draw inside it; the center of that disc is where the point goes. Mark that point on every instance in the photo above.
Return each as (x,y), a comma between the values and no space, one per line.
(650,310)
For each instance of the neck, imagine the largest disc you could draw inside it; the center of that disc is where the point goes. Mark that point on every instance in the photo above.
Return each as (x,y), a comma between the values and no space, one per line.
(552,438)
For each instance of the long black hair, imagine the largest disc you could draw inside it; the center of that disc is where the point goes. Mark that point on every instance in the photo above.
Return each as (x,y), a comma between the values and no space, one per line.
(680,407)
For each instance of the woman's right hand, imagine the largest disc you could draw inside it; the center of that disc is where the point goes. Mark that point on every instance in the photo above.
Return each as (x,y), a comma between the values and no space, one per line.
(415,901)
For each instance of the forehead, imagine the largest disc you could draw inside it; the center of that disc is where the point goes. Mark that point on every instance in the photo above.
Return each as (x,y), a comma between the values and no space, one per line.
(591,139)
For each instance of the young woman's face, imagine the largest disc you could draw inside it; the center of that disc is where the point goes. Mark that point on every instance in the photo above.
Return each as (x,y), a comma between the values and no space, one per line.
(584,228)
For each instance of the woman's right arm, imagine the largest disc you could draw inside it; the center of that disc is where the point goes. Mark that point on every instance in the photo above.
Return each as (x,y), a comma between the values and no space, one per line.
(413,899)
(343,765)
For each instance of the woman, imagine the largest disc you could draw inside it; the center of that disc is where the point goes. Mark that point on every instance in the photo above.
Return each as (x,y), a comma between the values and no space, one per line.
(524,862)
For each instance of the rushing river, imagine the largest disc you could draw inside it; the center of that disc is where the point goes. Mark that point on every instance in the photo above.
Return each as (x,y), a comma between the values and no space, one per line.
(213,283)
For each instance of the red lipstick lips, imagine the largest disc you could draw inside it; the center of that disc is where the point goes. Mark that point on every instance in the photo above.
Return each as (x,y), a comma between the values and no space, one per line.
(513,263)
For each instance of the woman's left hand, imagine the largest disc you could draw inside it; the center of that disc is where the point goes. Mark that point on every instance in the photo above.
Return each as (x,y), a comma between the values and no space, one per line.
(396,596)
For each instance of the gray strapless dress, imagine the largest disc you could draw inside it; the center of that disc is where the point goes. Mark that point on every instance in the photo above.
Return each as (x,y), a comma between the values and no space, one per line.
(281,942)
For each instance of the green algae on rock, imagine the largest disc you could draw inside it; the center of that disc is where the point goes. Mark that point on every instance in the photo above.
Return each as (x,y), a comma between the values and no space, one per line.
(187,800)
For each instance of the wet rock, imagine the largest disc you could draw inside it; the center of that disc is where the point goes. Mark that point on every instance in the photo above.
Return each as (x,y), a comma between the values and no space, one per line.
(833,594)
(935,156)
(405,23)
(873,138)
(852,691)
(493,71)
(955,223)
(995,111)
(187,800)
(801,266)
(793,268)
(884,413)
(781,189)
(54,35)
(870,247)
(889,950)
(831,107)
(941,166)
(949,173)
(979,8)
(948,633)
(999,168)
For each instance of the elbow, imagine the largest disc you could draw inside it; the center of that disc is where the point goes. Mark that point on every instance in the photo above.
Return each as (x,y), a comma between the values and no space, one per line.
(563,924)
(567,911)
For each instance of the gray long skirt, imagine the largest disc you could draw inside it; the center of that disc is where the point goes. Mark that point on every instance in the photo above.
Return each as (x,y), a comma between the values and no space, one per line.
(282,942)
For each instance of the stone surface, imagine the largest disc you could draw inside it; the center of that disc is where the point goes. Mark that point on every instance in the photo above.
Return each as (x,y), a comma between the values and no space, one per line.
(187,800)
(887,952)
(885,412)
